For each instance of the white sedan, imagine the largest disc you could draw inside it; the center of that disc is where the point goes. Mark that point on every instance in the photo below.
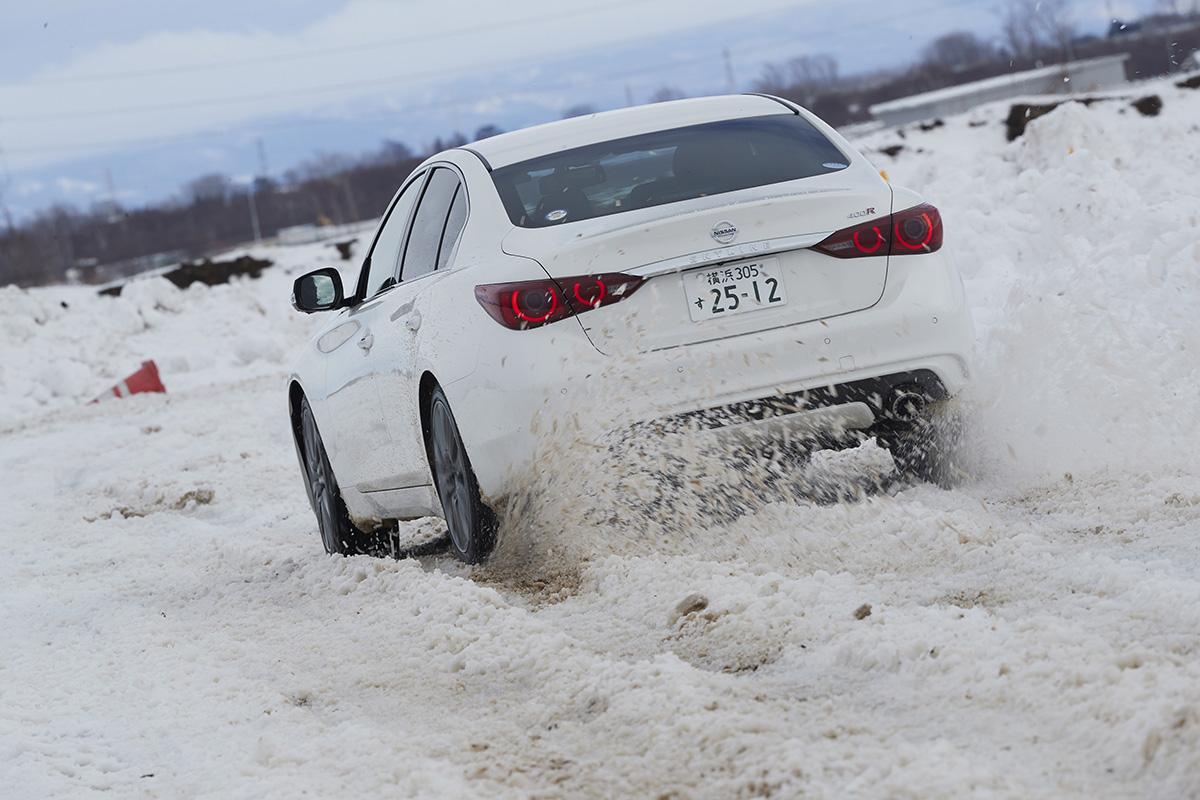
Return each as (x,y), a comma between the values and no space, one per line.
(731,262)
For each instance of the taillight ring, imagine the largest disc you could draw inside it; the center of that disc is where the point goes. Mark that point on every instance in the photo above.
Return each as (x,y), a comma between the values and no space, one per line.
(595,303)
(926,234)
(531,318)
(879,240)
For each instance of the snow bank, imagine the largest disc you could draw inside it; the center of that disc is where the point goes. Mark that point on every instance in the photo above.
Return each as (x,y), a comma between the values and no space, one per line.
(1078,244)
(64,346)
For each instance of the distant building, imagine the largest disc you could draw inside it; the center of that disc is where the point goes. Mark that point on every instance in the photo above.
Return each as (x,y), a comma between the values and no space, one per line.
(133,266)
(301,234)
(1091,75)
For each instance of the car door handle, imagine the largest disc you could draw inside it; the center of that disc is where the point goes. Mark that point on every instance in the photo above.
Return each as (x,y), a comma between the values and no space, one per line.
(366,341)
(413,321)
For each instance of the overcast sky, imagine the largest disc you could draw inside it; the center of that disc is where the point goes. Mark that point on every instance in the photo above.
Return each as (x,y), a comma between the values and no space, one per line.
(86,87)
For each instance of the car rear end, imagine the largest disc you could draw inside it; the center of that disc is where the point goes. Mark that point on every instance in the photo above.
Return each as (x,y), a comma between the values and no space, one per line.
(747,274)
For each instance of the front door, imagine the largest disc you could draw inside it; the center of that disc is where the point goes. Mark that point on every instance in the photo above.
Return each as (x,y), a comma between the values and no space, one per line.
(361,448)
(435,228)
(375,383)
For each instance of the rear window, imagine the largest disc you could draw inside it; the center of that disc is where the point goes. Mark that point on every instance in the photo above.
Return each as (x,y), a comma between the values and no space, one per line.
(670,166)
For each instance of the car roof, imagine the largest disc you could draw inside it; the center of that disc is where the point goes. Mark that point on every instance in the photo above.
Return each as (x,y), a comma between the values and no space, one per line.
(565,134)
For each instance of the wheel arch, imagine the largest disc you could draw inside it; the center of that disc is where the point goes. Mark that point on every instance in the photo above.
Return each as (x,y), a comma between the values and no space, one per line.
(295,395)
(424,398)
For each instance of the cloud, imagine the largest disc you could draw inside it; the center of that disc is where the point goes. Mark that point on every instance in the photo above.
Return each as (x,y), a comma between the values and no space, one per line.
(385,51)
(29,188)
(75,189)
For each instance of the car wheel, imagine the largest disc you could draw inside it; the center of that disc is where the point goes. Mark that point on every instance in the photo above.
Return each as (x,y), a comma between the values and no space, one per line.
(472,524)
(338,533)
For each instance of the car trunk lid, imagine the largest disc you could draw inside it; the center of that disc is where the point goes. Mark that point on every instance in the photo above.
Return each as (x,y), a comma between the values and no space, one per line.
(673,246)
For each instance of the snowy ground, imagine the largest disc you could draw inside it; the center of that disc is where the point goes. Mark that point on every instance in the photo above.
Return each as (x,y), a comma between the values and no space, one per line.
(170,628)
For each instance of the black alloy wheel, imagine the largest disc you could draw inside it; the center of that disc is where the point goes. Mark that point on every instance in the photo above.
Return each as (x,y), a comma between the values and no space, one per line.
(472,524)
(338,533)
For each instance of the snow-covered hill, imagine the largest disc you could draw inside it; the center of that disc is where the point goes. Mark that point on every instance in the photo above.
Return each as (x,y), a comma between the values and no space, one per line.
(169,626)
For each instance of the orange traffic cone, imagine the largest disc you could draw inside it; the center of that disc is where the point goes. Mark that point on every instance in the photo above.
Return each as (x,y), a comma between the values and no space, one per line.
(145,379)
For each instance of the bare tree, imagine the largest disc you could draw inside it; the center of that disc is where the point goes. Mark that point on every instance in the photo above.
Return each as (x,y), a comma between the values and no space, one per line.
(488,131)
(819,71)
(324,166)
(579,110)
(213,186)
(456,139)
(773,80)
(1032,28)
(804,77)
(1178,8)
(1019,30)
(1057,20)
(957,50)
(667,93)
(391,152)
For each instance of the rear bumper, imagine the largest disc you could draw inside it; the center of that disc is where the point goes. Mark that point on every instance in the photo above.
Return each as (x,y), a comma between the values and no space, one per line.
(920,334)
(858,405)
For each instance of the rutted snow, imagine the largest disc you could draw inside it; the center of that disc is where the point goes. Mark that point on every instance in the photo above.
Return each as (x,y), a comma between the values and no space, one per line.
(170,628)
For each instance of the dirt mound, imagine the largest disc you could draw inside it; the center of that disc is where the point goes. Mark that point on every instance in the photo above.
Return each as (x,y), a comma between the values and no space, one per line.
(208,272)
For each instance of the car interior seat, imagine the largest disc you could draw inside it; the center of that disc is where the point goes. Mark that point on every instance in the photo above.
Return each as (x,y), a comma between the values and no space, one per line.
(558,195)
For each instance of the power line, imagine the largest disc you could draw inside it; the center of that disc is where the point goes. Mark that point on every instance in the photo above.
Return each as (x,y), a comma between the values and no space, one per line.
(292,123)
(376,44)
(349,86)
(320,89)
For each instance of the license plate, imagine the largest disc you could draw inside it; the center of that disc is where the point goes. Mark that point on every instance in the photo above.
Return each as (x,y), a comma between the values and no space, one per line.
(726,291)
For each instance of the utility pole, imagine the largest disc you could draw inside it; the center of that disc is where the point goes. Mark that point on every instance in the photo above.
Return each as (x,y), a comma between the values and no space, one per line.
(731,84)
(114,214)
(254,213)
(628,95)
(262,158)
(251,195)
(260,177)
(8,220)
(5,180)
(350,199)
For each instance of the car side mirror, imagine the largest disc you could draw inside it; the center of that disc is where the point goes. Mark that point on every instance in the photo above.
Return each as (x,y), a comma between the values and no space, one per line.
(319,290)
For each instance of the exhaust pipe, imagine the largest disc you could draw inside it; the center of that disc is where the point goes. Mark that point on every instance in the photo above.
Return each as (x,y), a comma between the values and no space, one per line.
(907,404)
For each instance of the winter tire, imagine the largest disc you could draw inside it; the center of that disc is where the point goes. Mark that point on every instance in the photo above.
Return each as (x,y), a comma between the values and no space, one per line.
(472,524)
(338,533)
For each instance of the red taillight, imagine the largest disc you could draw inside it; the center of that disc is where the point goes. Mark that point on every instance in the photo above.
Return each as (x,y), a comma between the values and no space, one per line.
(536,305)
(915,230)
(531,304)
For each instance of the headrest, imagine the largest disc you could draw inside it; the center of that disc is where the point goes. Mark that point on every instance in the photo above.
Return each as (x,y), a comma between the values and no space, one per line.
(701,159)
